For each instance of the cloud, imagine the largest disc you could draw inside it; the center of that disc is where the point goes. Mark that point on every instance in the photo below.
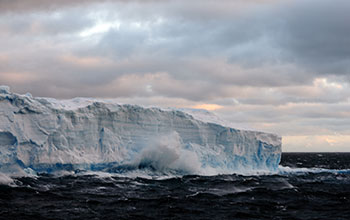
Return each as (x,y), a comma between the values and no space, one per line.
(277,66)
(18,6)
(246,43)
(325,143)
(315,33)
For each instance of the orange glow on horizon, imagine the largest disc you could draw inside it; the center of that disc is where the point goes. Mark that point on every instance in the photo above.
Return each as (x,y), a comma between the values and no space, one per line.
(209,107)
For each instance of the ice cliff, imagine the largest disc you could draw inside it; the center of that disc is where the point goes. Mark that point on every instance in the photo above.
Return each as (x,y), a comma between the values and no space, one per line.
(45,135)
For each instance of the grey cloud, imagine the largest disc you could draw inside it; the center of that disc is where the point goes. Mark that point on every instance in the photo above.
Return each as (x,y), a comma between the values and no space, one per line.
(18,6)
(317,35)
(43,24)
(266,36)
(122,43)
(263,62)
(270,37)
(311,34)
(293,119)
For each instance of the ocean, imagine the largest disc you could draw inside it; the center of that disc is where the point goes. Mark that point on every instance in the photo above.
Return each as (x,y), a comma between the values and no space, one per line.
(307,186)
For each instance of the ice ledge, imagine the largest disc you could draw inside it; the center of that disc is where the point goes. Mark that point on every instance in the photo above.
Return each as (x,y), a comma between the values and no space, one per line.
(44,134)
(4,89)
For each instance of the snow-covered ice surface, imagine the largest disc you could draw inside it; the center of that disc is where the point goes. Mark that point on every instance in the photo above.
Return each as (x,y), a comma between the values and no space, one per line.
(47,135)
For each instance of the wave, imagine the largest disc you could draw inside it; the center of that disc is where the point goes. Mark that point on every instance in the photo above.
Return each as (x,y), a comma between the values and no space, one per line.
(6,179)
(164,174)
(285,170)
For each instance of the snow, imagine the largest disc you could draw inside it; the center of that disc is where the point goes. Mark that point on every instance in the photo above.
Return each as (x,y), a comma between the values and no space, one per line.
(70,104)
(47,135)
(4,89)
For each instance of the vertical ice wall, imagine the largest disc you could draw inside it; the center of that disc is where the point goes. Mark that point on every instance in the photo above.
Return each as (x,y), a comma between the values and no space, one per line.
(47,134)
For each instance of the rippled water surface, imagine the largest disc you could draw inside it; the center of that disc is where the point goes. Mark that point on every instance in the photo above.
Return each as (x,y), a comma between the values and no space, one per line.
(308,186)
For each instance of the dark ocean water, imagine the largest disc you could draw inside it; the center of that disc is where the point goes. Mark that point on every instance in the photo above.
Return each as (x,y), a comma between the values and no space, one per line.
(313,186)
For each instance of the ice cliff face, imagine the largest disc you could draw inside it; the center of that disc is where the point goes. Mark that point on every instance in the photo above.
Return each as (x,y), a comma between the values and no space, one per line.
(47,135)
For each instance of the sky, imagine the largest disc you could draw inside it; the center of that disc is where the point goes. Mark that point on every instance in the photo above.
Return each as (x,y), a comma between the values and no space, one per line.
(280,66)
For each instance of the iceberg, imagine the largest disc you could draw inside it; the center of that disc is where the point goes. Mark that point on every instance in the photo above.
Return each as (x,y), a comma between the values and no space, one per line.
(48,135)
